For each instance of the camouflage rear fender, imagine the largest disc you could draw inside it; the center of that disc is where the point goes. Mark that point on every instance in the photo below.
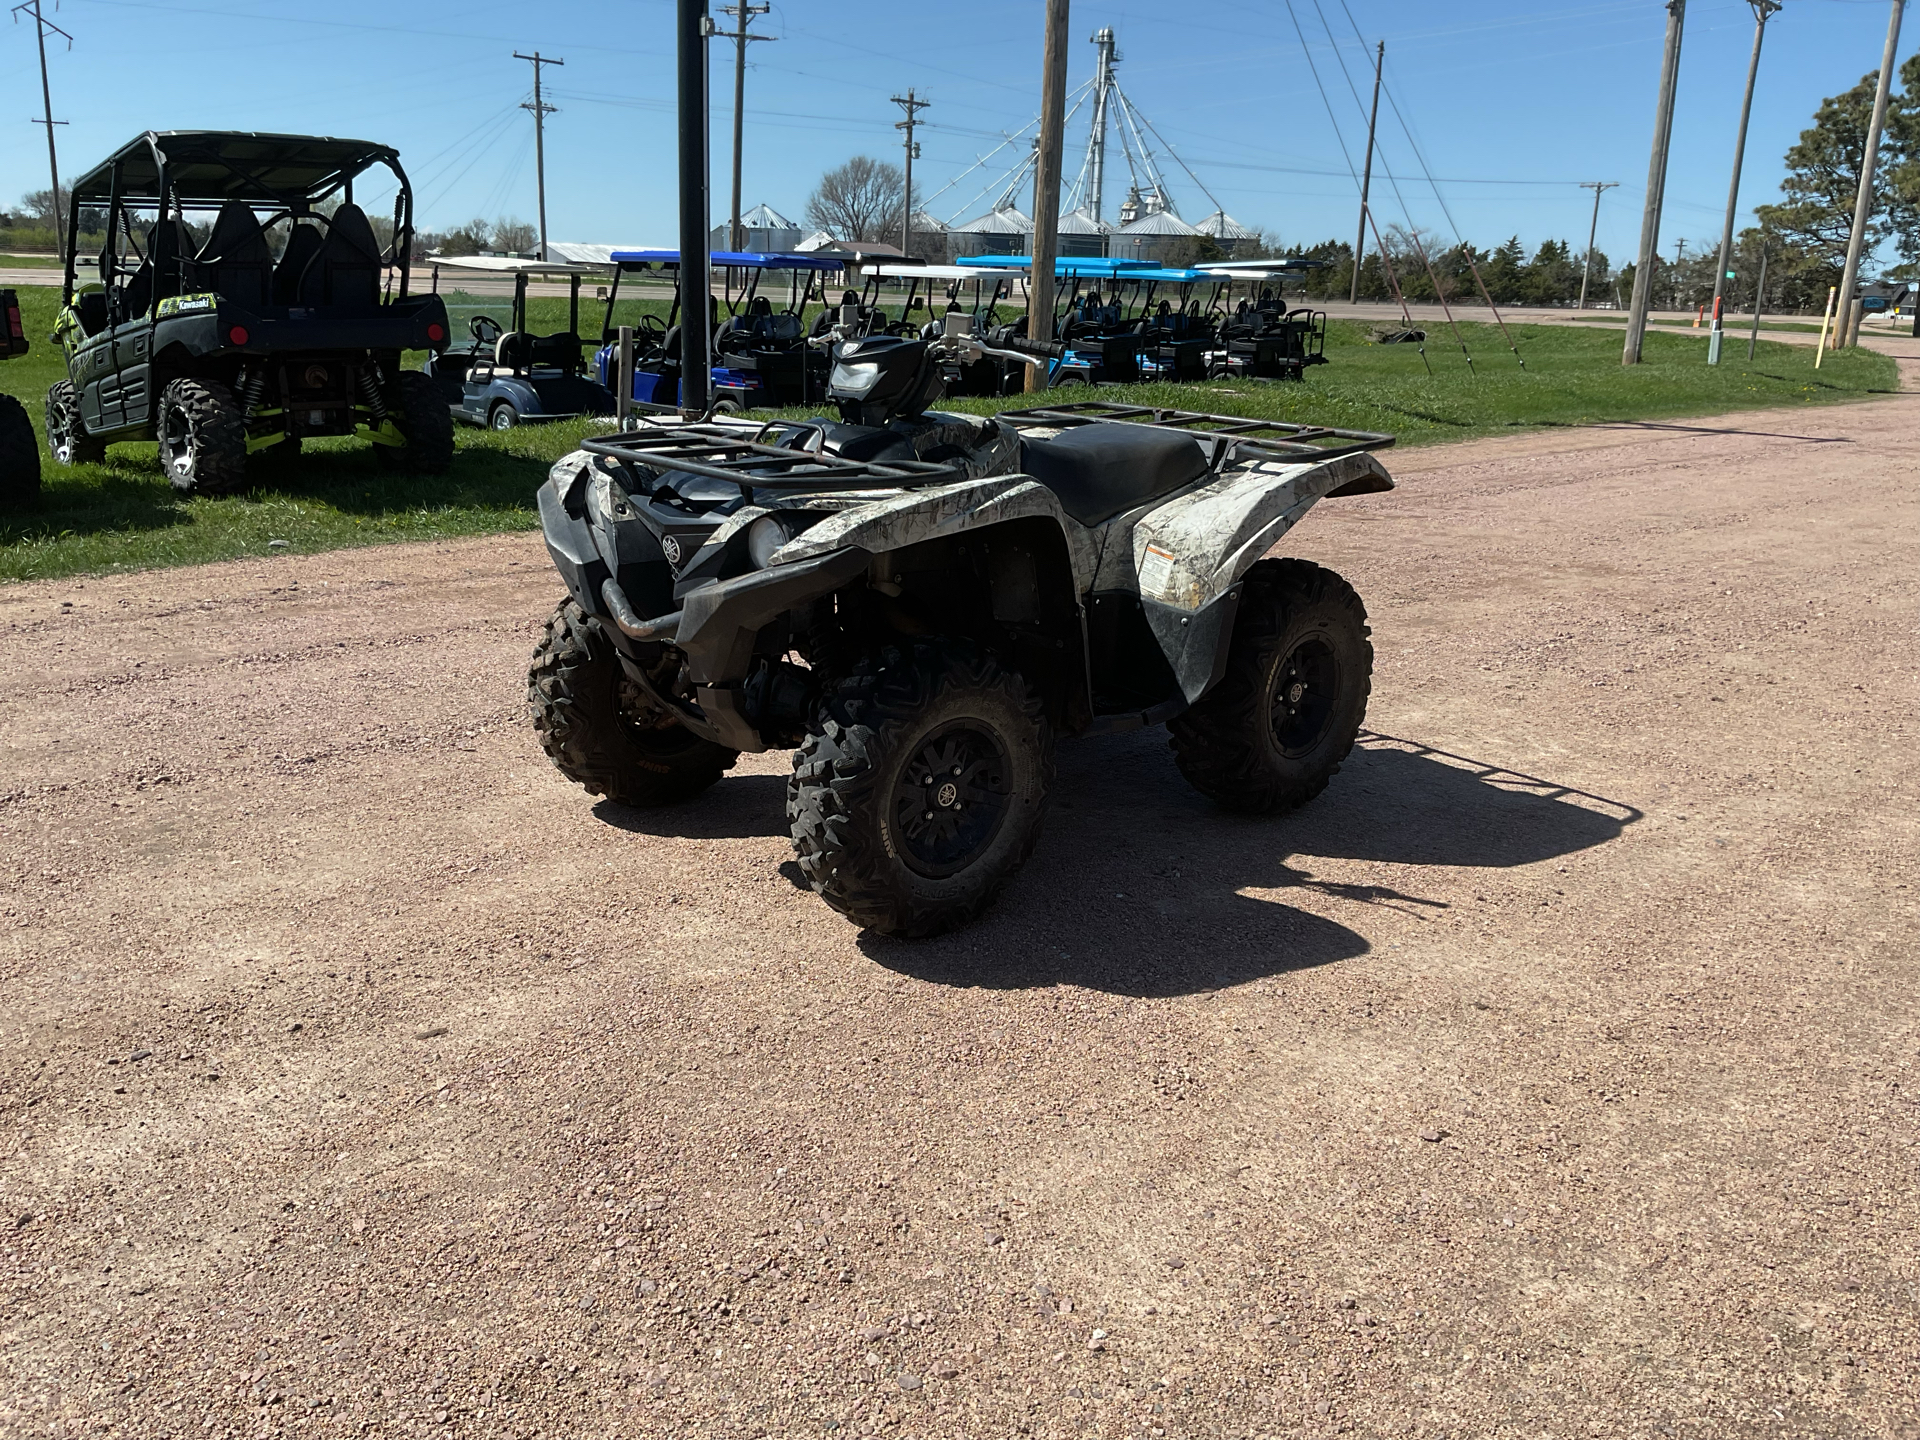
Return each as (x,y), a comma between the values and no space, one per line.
(1191,550)
(913,516)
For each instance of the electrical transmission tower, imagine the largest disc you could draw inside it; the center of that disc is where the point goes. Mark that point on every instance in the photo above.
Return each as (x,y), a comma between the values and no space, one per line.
(41,25)
(913,108)
(745,11)
(540,110)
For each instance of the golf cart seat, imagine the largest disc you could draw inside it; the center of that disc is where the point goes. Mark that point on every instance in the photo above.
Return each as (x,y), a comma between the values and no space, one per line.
(513,350)
(235,263)
(560,351)
(1098,471)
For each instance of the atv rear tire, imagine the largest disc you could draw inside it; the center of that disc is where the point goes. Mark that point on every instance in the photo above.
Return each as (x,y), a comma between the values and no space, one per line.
(1273,732)
(423,417)
(19,457)
(599,728)
(67,439)
(203,438)
(921,790)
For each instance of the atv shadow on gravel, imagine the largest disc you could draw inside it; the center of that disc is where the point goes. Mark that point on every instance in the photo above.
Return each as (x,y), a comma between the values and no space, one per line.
(1142,888)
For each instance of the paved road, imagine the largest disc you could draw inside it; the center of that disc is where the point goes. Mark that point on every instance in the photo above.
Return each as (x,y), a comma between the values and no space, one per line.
(1551,1075)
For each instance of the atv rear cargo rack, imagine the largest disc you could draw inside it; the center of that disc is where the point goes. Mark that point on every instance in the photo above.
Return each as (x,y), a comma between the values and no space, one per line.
(724,453)
(1236,432)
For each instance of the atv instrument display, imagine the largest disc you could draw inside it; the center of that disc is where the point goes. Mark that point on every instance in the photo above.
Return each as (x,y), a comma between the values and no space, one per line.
(283,315)
(920,603)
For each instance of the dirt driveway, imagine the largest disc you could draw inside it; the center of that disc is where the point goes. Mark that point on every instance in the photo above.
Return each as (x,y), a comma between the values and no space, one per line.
(1552,1075)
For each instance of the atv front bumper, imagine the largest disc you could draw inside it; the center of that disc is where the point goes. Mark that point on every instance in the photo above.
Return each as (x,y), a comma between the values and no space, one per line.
(716,627)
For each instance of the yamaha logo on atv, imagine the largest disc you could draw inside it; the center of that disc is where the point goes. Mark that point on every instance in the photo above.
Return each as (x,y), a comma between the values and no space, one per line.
(670,547)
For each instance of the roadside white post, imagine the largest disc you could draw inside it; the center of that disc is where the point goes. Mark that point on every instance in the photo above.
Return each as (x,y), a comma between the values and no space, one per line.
(1826,318)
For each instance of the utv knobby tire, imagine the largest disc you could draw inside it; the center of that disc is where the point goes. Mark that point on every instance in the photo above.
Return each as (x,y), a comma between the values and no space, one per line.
(67,439)
(575,686)
(420,414)
(1256,744)
(853,800)
(19,457)
(202,435)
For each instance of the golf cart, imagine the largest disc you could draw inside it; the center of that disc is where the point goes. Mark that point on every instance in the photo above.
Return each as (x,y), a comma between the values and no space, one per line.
(920,602)
(1258,336)
(939,291)
(283,315)
(760,356)
(19,446)
(503,376)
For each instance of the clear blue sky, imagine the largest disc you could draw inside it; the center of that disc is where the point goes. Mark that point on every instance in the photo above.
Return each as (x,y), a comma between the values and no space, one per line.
(1512,102)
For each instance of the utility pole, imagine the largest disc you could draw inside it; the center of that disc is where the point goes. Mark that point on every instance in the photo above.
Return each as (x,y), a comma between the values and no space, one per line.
(1761,10)
(1656,186)
(1046,184)
(1106,56)
(745,12)
(1366,175)
(692,25)
(1599,188)
(1863,204)
(540,111)
(41,25)
(913,107)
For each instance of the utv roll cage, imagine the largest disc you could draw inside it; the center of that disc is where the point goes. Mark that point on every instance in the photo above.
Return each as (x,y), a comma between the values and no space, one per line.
(236,175)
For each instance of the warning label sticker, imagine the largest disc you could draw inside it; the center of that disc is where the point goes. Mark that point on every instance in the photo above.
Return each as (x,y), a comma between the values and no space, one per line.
(1156,571)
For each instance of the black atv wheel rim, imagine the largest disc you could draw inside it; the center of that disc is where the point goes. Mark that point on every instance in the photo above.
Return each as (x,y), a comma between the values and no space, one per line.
(1306,687)
(176,442)
(951,799)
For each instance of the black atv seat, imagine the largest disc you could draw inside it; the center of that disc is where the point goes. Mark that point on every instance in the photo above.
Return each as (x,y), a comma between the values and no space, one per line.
(1100,471)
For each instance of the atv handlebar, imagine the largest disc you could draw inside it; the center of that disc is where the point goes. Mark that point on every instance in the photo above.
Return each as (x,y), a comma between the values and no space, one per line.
(1031,349)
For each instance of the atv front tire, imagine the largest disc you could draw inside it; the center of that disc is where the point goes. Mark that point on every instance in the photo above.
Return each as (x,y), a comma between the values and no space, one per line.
(203,438)
(19,457)
(67,439)
(600,729)
(423,417)
(921,790)
(1273,732)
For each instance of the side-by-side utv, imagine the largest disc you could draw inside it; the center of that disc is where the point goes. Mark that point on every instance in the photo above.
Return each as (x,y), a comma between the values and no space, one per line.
(19,447)
(244,302)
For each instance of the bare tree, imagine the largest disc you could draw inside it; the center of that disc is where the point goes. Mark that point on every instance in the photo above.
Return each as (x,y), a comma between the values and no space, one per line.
(515,236)
(859,200)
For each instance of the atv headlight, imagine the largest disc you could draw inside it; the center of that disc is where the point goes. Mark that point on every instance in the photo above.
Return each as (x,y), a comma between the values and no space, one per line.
(764,536)
(854,379)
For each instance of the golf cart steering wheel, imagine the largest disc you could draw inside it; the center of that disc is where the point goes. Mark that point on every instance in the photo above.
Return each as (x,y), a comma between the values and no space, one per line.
(653,327)
(485,329)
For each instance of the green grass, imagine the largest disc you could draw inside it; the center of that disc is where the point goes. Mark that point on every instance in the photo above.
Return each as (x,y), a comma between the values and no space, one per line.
(122,515)
(31,262)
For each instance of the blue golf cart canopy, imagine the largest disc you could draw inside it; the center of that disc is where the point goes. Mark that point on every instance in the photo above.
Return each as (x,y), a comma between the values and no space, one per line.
(735,259)
(1088,265)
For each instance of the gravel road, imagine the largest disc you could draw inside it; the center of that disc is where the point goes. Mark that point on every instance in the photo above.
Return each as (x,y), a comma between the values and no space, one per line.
(1552,1075)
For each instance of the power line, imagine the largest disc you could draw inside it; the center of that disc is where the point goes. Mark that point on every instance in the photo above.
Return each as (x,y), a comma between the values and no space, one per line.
(913,107)
(740,36)
(540,111)
(41,25)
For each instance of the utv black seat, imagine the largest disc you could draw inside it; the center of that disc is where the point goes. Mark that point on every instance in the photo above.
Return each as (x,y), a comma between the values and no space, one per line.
(345,272)
(303,243)
(1099,471)
(235,263)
